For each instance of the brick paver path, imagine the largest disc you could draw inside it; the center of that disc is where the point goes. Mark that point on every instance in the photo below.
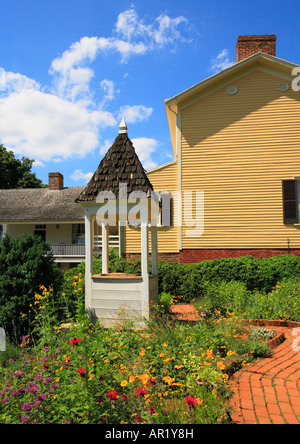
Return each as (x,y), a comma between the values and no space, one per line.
(268,392)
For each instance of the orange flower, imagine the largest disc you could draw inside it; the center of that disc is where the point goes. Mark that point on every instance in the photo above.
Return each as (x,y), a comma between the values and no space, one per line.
(162,355)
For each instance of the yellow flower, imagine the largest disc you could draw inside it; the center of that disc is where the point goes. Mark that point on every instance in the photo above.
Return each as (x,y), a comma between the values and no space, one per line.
(220,365)
(132,378)
(142,353)
(178,366)
(124,383)
(162,355)
(168,380)
(164,345)
(144,378)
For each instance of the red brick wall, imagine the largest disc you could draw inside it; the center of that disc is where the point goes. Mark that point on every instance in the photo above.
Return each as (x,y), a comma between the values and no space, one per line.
(168,257)
(193,256)
(248,45)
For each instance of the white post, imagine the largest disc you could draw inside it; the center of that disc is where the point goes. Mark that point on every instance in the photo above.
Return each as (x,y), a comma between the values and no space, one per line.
(105,247)
(4,226)
(88,259)
(145,269)
(154,250)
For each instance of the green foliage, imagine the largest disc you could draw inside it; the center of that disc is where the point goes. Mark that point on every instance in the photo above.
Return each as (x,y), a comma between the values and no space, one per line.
(25,265)
(165,300)
(190,280)
(86,374)
(262,333)
(282,302)
(15,173)
(231,294)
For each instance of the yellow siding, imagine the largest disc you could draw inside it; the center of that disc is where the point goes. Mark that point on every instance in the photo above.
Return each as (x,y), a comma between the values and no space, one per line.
(238,149)
(162,179)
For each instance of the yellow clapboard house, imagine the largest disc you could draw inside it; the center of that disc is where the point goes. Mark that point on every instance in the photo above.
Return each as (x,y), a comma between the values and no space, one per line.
(236,143)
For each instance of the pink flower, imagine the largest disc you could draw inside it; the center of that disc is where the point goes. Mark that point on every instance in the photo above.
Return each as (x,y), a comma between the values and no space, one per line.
(140,391)
(75,341)
(112,395)
(191,402)
(82,372)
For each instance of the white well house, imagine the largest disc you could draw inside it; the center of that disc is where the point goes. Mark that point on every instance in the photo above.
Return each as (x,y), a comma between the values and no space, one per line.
(113,297)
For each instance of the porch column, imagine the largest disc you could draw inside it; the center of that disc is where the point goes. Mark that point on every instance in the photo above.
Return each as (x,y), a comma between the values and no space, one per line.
(105,247)
(154,250)
(88,258)
(4,229)
(145,268)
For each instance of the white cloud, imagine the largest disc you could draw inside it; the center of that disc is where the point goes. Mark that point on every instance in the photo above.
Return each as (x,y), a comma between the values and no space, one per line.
(135,113)
(144,147)
(162,31)
(80,175)
(108,87)
(43,126)
(64,120)
(221,62)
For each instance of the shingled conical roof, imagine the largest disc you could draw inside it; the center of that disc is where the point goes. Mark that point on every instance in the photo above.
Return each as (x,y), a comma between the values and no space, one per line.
(120,165)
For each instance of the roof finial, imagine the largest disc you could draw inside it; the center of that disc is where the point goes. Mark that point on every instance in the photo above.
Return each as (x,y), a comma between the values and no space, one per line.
(123,127)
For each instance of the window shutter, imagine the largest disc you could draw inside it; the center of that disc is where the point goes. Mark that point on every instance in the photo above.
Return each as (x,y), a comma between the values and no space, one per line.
(166,209)
(290,201)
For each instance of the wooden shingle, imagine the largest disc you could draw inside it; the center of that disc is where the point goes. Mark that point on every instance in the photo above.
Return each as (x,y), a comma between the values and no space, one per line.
(120,165)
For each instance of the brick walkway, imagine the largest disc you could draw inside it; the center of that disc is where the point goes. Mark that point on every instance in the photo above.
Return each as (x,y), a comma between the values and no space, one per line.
(268,392)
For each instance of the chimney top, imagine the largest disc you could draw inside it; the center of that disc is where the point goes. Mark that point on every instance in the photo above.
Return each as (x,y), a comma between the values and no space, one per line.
(56,181)
(248,45)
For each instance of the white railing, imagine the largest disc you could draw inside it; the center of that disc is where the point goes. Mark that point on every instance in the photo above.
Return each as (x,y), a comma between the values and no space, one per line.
(113,242)
(68,250)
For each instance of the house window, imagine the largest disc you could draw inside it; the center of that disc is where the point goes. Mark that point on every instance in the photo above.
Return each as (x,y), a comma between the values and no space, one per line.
(78,234)
(40,231)
(291,201)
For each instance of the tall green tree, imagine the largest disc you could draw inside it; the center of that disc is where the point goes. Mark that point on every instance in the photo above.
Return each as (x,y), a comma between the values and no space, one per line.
(16,173)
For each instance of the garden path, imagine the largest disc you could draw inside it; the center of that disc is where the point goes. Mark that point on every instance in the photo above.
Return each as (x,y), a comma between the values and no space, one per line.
(268,392)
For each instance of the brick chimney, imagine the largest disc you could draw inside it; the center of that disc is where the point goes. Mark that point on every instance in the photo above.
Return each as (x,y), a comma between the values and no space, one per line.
(248,45)
(56,181)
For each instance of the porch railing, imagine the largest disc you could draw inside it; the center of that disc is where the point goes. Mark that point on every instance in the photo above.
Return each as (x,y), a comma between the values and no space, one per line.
(68,250)
(71,250)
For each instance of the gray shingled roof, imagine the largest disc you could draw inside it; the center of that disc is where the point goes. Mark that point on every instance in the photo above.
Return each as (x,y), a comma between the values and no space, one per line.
(120,165)
(40,204)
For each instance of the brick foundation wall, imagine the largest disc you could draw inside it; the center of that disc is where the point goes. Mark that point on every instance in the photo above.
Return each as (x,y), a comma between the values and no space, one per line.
(168,257)
(193,256)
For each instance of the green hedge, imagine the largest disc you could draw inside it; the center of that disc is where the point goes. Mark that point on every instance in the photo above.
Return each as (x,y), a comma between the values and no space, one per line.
(190,280)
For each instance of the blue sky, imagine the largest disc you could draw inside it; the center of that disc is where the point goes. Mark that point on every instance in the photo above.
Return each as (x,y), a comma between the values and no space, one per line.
(70,69)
